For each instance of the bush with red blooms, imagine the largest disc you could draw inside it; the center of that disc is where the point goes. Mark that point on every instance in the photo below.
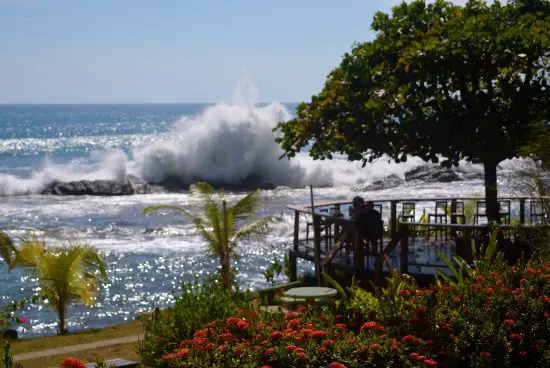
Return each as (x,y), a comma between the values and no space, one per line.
(486,320)
(72,363)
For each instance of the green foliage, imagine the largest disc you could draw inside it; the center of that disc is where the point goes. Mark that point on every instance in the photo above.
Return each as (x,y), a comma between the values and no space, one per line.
(486,321)
(100,363)
(220,224)
(273,272)
(439,80)
(335,285)
(67,274)
(198,304)
(6,359)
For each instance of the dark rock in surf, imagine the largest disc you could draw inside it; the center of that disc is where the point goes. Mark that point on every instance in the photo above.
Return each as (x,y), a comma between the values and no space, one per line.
(131,186)
(392,181)
(432,174)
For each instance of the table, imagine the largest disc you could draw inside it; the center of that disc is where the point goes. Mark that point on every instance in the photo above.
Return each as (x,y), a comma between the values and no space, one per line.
(310,292)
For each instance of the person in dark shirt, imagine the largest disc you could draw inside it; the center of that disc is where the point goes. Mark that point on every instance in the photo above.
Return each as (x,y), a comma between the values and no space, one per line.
(370,221)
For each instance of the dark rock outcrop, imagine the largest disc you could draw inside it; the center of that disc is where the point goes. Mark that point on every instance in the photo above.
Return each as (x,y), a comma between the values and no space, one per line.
(432,174)
(392,181)
(132,185)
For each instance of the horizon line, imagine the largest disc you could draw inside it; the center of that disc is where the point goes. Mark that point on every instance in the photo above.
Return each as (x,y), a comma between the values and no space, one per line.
(125,103)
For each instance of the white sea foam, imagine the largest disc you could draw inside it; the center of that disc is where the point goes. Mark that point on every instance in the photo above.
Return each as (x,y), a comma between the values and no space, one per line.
(229,143)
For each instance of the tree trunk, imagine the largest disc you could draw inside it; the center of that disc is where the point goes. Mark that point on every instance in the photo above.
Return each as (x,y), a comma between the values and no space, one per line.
(61,315)
(226,271)
(491,192)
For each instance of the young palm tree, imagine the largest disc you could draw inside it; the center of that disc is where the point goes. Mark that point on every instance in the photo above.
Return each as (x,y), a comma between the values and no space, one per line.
(67,274)
(221,225)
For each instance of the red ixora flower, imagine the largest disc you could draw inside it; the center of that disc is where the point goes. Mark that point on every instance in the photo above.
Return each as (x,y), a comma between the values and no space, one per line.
(318,334)
(275,335)
(291,348)
(407,339)
(72,363)
(293,323)
(515,337)
(225,337)
(429,362)
(369,326)
(291,315)
(327,343)
(164,358)
(337,365)
(509,322)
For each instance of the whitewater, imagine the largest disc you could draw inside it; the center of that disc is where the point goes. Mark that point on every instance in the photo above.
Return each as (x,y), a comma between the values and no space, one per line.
(226,143)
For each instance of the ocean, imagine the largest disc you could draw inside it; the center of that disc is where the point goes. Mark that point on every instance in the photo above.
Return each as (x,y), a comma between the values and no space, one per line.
(149,256)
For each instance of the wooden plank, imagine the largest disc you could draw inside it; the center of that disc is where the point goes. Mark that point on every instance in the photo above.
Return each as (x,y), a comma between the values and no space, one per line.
(404,261)
(307,208)
(317,247)
(359,255)
(339,245)
(393,218)
(296,229)
(522,211)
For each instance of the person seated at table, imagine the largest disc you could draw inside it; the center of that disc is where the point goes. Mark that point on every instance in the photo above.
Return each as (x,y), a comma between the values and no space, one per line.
(371,222)
(357,207)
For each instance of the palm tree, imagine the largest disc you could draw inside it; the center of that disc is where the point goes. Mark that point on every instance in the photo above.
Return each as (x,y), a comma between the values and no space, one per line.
(222,226)
(67,274)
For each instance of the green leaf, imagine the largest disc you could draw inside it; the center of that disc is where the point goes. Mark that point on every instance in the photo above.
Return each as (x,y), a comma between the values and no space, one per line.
(335,285)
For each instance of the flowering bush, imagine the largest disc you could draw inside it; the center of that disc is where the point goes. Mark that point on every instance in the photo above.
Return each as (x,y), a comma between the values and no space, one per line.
(483,321)
(72,363)
(197,305)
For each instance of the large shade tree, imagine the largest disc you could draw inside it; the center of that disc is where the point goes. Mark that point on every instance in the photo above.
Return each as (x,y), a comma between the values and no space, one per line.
(439,81)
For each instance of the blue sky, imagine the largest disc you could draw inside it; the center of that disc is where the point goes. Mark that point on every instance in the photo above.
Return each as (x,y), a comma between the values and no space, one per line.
(136,51)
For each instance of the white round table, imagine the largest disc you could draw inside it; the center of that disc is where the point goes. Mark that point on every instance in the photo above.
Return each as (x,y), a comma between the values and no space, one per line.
(310,292)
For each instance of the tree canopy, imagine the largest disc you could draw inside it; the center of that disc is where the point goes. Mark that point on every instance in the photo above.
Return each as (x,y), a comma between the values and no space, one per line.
(439,81)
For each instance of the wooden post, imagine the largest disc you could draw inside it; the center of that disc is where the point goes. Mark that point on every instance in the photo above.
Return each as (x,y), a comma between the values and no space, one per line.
(296,230)
(292,266)
(359,255)
(522,211)
(393,219)
(468,256)
(317,247)
(404,262)
(453,217)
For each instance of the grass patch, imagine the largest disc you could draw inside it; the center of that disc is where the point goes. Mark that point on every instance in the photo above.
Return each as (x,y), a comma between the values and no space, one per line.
(123,351)
(81,337)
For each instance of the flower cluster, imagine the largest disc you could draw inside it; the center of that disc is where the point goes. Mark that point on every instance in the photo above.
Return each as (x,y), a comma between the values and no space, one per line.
(72,363)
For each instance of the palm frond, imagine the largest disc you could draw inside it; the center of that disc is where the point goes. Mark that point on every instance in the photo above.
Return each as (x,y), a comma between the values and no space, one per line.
(258,228)
(8,251)
(247,205)
(154,208)
(30,255)
(201,189)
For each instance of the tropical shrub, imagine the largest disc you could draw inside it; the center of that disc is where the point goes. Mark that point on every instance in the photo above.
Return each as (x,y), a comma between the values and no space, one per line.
(220,224)
(66,274)
(198,304)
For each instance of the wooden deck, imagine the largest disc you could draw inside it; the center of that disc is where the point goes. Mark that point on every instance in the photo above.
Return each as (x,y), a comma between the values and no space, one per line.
(423,260)
(409,247)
